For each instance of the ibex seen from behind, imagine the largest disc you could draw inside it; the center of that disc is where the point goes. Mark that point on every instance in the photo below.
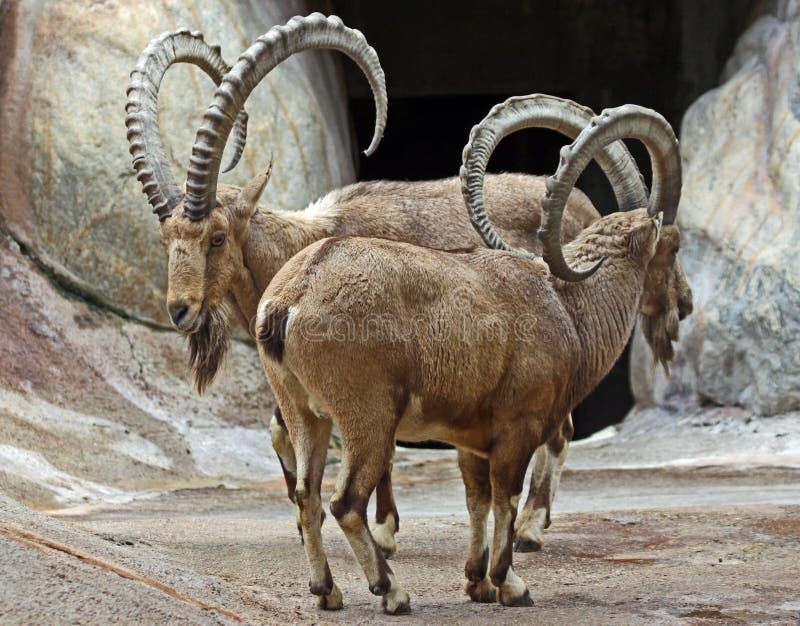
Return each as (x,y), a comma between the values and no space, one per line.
(488,350)
(224,248)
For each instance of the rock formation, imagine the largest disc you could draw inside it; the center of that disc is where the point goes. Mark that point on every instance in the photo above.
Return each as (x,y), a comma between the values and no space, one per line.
(95,397)
(740,221)
(68,190)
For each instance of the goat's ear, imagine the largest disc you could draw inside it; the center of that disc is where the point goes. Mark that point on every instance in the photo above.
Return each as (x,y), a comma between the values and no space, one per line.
(250,194)
(643,241)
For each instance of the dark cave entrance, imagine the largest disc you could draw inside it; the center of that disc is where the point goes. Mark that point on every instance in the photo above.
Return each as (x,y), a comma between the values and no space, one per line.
(448,62)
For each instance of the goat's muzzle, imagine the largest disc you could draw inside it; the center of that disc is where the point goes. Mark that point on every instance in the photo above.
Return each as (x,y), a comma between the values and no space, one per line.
(185,316)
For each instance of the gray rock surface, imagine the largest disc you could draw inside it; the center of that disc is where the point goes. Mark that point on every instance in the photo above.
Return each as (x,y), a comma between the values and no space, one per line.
(67,187)
(94,407)
(740,221)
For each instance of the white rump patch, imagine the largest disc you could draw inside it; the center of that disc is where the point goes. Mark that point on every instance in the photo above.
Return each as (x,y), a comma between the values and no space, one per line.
(262,307)
(290,318)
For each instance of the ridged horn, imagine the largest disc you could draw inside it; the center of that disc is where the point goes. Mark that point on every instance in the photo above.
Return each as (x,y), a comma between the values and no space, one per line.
(149,158)
(278,44)
(626,122)
(540,111)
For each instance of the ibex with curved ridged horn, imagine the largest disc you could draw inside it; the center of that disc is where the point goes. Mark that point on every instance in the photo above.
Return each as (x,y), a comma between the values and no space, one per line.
(230,254)
(435,349)
(149,159)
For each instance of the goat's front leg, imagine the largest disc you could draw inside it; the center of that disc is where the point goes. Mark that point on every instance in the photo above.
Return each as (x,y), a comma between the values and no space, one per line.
(364,461)
(507,466)
(548,461)
(387,521)
(475,473)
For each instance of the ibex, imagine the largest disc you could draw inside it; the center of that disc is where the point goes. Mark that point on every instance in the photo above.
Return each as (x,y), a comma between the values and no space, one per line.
(223,253)
(488,350)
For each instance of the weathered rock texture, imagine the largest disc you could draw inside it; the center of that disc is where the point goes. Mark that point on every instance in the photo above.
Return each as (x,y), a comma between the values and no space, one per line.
(67,187)
(94,407)
(740,220)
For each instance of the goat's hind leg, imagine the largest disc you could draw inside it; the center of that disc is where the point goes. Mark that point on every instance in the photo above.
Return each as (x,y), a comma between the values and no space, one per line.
(387,521)
(559,446)
(534,517)
(311,447)
(475,473)
(364,461)
(283,448)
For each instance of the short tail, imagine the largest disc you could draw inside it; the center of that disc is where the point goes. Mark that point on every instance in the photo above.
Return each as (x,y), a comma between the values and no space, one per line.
(272,330)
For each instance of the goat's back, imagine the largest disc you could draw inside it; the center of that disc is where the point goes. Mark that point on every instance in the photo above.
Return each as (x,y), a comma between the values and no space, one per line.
(454,329)
(433,213)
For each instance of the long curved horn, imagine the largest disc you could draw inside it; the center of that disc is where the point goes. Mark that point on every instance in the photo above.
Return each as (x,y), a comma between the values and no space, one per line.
(149,158)
(626,122)
(278,44)
(540,111)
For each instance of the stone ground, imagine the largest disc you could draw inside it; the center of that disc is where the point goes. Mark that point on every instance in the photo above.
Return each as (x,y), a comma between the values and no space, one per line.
(685,544)
(134,515)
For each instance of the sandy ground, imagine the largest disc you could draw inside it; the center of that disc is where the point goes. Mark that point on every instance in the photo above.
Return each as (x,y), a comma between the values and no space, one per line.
(699,545)
(682,515)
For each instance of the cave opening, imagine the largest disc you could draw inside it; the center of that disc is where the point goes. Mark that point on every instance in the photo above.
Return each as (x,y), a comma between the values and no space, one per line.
(447,63)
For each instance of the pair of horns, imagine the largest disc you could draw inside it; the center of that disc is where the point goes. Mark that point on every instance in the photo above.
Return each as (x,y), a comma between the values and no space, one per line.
(144,135)
(595,137)
(226,112)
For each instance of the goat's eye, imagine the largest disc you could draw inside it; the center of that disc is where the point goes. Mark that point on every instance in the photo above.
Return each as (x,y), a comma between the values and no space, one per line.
(217,240)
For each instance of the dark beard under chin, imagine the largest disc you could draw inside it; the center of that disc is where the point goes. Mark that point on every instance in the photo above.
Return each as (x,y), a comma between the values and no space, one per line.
(208,346)
(660,331)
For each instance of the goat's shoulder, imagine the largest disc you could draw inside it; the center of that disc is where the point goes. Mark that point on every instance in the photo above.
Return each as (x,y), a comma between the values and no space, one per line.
(368,267)
(294,269)
(413,193)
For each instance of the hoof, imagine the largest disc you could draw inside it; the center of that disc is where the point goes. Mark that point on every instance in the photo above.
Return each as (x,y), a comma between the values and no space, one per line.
(483,591)
(399,608)
(331,602)
(526,545)
(396,602)
(388,553)
(523,600)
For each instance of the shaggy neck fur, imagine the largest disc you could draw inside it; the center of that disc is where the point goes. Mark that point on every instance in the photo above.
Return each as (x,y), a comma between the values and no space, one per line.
(604,308)
(273,237)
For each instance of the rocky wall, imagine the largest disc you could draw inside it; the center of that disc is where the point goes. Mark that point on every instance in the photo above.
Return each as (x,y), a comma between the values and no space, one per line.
(740,222)
(94,407)
(67,186)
